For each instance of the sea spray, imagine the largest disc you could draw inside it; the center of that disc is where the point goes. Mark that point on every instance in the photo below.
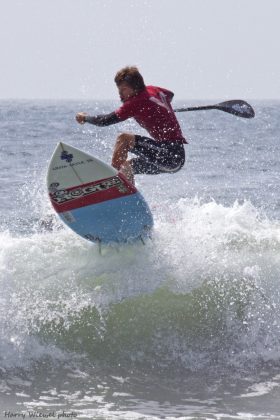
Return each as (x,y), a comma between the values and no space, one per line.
(205,293)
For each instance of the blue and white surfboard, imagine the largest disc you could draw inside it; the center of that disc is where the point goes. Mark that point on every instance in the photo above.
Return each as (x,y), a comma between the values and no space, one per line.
(94,200)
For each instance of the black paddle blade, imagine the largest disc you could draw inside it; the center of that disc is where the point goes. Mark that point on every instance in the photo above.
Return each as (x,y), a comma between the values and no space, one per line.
(237,107)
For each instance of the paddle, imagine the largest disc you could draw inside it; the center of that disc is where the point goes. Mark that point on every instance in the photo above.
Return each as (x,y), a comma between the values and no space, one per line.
(236,107)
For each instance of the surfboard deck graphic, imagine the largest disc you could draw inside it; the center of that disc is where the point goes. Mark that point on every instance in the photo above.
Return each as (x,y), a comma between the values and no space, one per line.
(94,200)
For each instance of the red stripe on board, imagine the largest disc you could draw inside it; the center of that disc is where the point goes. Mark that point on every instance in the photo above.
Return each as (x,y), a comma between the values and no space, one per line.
(91,193)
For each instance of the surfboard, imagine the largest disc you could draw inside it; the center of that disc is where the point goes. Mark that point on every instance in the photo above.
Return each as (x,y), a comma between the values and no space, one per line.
(95,200)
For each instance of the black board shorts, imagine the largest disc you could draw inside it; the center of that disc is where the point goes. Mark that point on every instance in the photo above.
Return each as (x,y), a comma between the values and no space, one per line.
(155,157)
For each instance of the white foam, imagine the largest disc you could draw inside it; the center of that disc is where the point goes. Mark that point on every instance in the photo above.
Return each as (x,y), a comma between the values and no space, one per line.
(53,275)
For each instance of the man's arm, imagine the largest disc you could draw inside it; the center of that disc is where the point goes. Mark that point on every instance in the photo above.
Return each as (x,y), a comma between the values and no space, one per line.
(171,95)
(168,93)
(99,120)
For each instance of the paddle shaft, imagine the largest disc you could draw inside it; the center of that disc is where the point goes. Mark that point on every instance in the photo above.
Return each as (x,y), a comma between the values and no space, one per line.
(196,108)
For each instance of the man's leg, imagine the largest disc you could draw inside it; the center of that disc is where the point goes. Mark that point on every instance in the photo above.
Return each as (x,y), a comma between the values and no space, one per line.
(125,142)
(127,171)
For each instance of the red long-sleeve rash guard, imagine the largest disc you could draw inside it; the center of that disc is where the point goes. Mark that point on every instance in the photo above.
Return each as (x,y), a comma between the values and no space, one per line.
(152,109)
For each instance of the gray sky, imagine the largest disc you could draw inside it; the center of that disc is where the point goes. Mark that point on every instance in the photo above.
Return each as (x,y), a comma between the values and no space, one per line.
(200,49)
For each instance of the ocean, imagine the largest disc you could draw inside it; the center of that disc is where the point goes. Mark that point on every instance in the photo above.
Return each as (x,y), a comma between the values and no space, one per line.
(186,326)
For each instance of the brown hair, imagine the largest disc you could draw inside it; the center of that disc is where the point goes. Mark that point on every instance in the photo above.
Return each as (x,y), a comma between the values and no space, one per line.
(132,77)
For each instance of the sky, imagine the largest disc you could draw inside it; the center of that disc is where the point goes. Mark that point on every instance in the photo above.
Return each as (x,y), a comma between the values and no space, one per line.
(200,49)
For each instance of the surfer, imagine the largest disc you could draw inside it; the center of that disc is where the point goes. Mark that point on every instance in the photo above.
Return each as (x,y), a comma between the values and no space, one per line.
(151,107)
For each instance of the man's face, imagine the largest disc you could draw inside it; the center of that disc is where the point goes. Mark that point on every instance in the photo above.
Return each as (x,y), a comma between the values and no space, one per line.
(125,91)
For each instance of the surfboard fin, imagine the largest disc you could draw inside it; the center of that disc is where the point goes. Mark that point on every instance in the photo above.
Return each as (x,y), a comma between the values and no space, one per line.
(99,247)
(142,240)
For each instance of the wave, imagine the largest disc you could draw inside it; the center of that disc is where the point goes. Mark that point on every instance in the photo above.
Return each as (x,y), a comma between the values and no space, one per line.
(204,291)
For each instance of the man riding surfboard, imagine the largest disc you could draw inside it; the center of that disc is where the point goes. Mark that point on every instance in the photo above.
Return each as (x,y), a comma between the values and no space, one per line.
(151,107)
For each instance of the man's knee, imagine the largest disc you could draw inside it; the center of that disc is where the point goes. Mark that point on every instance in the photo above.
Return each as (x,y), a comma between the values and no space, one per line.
(125,141)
